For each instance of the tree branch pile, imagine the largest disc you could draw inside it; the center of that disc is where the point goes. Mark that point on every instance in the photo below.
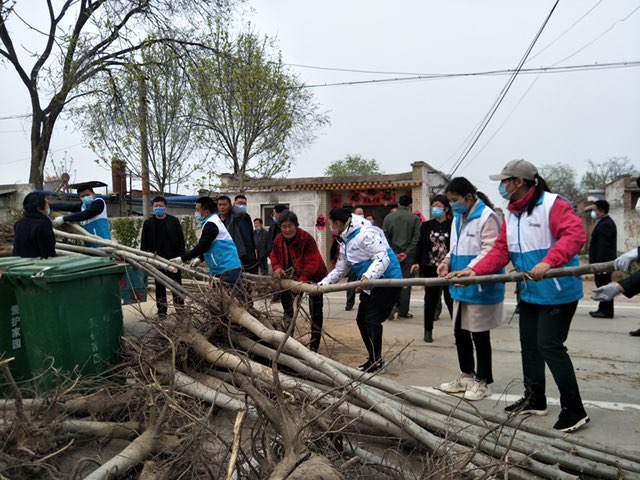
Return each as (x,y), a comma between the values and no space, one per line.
(226,390)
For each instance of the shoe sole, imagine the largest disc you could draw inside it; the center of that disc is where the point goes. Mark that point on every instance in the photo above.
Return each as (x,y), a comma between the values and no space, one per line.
(576,426)
(474,399)
(540,413)
(453,390)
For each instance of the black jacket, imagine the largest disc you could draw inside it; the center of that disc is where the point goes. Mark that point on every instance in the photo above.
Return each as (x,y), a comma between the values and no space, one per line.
(603,245)
(424,242)
(80,215)
(33,237)
(170,247)
(260,239)
(631,284)
(207,237)
(240,227)
(274,230)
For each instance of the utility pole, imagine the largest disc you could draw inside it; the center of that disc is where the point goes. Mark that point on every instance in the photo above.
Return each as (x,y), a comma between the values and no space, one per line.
(144,152)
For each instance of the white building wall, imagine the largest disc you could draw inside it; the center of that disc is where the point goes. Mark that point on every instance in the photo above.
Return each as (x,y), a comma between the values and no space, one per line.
(627,219)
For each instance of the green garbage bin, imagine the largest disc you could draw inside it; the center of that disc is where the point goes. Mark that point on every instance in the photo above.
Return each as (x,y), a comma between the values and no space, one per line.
(70,312)
(11,338)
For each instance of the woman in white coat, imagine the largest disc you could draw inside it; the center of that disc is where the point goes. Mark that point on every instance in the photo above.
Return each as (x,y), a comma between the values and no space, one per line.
(477,309)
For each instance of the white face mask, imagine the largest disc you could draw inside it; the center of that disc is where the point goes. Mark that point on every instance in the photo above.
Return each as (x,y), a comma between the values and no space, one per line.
(638,206)
(594,215)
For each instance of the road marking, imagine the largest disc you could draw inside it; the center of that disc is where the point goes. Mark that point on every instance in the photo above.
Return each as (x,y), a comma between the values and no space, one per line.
(618,406)
(513,303)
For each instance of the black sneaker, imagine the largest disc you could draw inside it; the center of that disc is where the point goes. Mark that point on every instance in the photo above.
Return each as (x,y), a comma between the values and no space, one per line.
(365,366)
(372,367)
(348,307)
(569,421)
(377,367)
(526,406)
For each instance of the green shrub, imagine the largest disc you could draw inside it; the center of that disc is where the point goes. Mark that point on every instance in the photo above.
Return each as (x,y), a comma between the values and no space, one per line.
(189,227)
(126,231)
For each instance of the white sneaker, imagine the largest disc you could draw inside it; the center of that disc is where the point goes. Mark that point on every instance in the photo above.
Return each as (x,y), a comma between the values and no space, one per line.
(460,384)
(477,391)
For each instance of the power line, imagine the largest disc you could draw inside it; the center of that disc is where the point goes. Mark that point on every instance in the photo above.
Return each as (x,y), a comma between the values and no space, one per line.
(387,72)
(503,93)
(599,36)
(14,117)
(565,32)
(505,120)
(537,77)
(523,71)
(50,151)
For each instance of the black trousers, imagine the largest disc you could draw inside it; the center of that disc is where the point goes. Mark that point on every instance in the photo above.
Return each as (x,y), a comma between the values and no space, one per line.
(602,279)
(351,294)
(263,266)
(543,331)
(431,297)
(374,308)
(161,293)
(315,312)
(465,341)
(405,295)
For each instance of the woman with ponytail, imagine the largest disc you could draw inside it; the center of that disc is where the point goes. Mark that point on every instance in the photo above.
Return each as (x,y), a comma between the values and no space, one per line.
(477,309)
(541,231)
(364,248)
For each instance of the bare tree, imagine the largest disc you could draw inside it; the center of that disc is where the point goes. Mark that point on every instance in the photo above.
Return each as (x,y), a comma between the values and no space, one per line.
(562,179)
(257,114)
(111,123)
(600,173)
(83,38)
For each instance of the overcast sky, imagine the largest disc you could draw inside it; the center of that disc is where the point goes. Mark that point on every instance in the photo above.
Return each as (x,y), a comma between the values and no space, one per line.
(546,118)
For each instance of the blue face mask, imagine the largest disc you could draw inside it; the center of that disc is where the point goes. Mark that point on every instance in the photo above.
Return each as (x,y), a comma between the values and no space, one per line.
(275,220)
(437,212)
(86,201)
(197,216)
(242,207)
(48,212)
(502,189)
(459,207)
(159,211)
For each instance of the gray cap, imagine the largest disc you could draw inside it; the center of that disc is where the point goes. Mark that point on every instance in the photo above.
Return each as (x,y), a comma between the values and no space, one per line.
(517,169)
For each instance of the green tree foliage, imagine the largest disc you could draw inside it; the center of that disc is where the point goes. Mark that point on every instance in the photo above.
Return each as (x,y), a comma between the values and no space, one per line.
(126,231)
(256,114)
(189,228)
(600,173)
(353,165)
(562,179)
(81,39)
(111,122)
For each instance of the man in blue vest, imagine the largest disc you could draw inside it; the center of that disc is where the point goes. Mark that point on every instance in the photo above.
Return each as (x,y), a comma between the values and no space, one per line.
(91,214)
(215,247)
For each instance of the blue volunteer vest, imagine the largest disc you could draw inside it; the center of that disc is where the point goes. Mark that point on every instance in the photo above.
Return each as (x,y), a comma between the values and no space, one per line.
(359,259)
(222,255)
(98,225)
(529,239)
(466,244)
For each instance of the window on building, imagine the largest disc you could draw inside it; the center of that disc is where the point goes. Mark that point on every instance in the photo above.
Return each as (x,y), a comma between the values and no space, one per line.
(267,211)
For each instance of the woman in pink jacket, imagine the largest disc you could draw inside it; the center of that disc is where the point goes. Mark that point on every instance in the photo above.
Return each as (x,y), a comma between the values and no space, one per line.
(541,231)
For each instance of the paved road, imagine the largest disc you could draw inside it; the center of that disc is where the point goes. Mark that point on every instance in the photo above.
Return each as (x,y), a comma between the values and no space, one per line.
(606,359)
(605,356)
